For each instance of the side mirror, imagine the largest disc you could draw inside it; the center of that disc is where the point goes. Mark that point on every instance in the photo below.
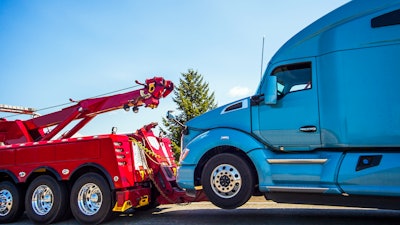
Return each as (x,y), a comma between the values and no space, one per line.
(271,91)
(170,116)
(114,130)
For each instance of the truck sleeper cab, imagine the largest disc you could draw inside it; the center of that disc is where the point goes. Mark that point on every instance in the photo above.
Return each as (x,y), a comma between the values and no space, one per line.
(323,127)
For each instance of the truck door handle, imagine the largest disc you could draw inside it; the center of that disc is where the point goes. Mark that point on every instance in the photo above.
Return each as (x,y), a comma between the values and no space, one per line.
(308,129)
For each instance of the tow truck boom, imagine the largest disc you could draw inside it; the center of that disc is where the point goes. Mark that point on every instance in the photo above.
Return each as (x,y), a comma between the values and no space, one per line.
(33,129)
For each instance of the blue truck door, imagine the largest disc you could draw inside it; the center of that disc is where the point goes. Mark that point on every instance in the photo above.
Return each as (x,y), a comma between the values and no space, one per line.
(292,124)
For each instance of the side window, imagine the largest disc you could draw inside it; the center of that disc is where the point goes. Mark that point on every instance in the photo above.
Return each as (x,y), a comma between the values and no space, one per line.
(388,19)
(292,77)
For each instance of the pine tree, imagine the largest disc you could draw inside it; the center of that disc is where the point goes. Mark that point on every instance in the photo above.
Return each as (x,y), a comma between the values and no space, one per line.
(193,99)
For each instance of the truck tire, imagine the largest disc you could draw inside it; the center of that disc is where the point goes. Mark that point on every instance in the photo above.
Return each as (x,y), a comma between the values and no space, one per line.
(91,200)
(46,200)
(12,204)
(227,181)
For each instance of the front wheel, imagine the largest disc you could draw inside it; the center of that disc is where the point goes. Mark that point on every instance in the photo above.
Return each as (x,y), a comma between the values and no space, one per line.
(91,199)
(227,181)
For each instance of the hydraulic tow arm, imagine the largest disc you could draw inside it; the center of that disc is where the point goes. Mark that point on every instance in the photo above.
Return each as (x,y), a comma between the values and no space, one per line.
(33,129)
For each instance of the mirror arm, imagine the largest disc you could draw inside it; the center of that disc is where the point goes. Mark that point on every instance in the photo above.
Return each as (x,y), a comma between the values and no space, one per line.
(257,99)
(171,117)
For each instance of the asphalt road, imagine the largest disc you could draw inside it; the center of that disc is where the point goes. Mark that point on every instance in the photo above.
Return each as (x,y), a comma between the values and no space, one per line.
(256,211)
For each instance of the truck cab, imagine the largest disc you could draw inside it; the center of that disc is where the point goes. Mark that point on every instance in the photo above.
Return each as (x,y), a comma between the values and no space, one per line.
(323,126)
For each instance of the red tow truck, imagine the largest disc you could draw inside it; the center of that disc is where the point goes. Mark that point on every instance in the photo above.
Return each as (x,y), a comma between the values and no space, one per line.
(51,177)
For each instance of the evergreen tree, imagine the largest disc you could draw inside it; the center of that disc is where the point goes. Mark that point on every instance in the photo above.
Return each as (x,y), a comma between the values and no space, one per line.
(193,99)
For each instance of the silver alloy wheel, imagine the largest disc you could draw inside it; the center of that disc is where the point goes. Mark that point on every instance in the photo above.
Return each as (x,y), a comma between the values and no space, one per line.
(90,199)
(225,181)
(6,202)
(42,200)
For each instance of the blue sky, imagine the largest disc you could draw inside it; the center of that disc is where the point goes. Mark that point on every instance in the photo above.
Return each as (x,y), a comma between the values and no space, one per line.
(51,51)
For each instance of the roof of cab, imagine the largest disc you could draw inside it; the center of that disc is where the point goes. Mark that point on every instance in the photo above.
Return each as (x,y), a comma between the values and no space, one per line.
(305,43)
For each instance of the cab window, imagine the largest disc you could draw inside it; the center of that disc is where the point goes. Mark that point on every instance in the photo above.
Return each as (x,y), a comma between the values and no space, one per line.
(292,78)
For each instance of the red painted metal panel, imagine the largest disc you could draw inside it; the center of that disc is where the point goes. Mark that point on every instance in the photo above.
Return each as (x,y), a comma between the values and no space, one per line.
(7,158)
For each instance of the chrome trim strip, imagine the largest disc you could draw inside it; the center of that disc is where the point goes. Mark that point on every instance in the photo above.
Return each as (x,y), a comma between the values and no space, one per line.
(297,189)
(297,161)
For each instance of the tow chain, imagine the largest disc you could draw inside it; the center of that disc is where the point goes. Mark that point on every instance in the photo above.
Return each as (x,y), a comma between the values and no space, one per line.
(148,154)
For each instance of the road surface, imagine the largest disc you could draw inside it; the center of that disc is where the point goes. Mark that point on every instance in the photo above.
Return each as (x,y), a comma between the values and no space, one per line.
(256,211)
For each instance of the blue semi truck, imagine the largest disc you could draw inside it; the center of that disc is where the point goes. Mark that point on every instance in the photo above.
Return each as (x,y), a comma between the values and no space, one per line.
(323,126)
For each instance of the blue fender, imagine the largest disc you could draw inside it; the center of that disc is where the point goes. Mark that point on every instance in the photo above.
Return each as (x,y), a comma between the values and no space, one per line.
(207,141)
(219,137)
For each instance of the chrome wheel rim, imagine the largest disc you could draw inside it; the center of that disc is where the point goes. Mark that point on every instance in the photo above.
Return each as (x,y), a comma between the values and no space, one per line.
(42,200)
(6,202)
(225,181)
(90,199)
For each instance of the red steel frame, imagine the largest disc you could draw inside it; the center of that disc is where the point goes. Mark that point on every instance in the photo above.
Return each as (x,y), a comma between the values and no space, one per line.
(26,150)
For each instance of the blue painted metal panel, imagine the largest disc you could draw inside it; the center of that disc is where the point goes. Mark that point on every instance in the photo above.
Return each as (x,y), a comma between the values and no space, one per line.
(219,137)
(381,179)
(233,115)
(359,97)
(185,176)
(357,74)
(297,170)
(280,124)
(337,29)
